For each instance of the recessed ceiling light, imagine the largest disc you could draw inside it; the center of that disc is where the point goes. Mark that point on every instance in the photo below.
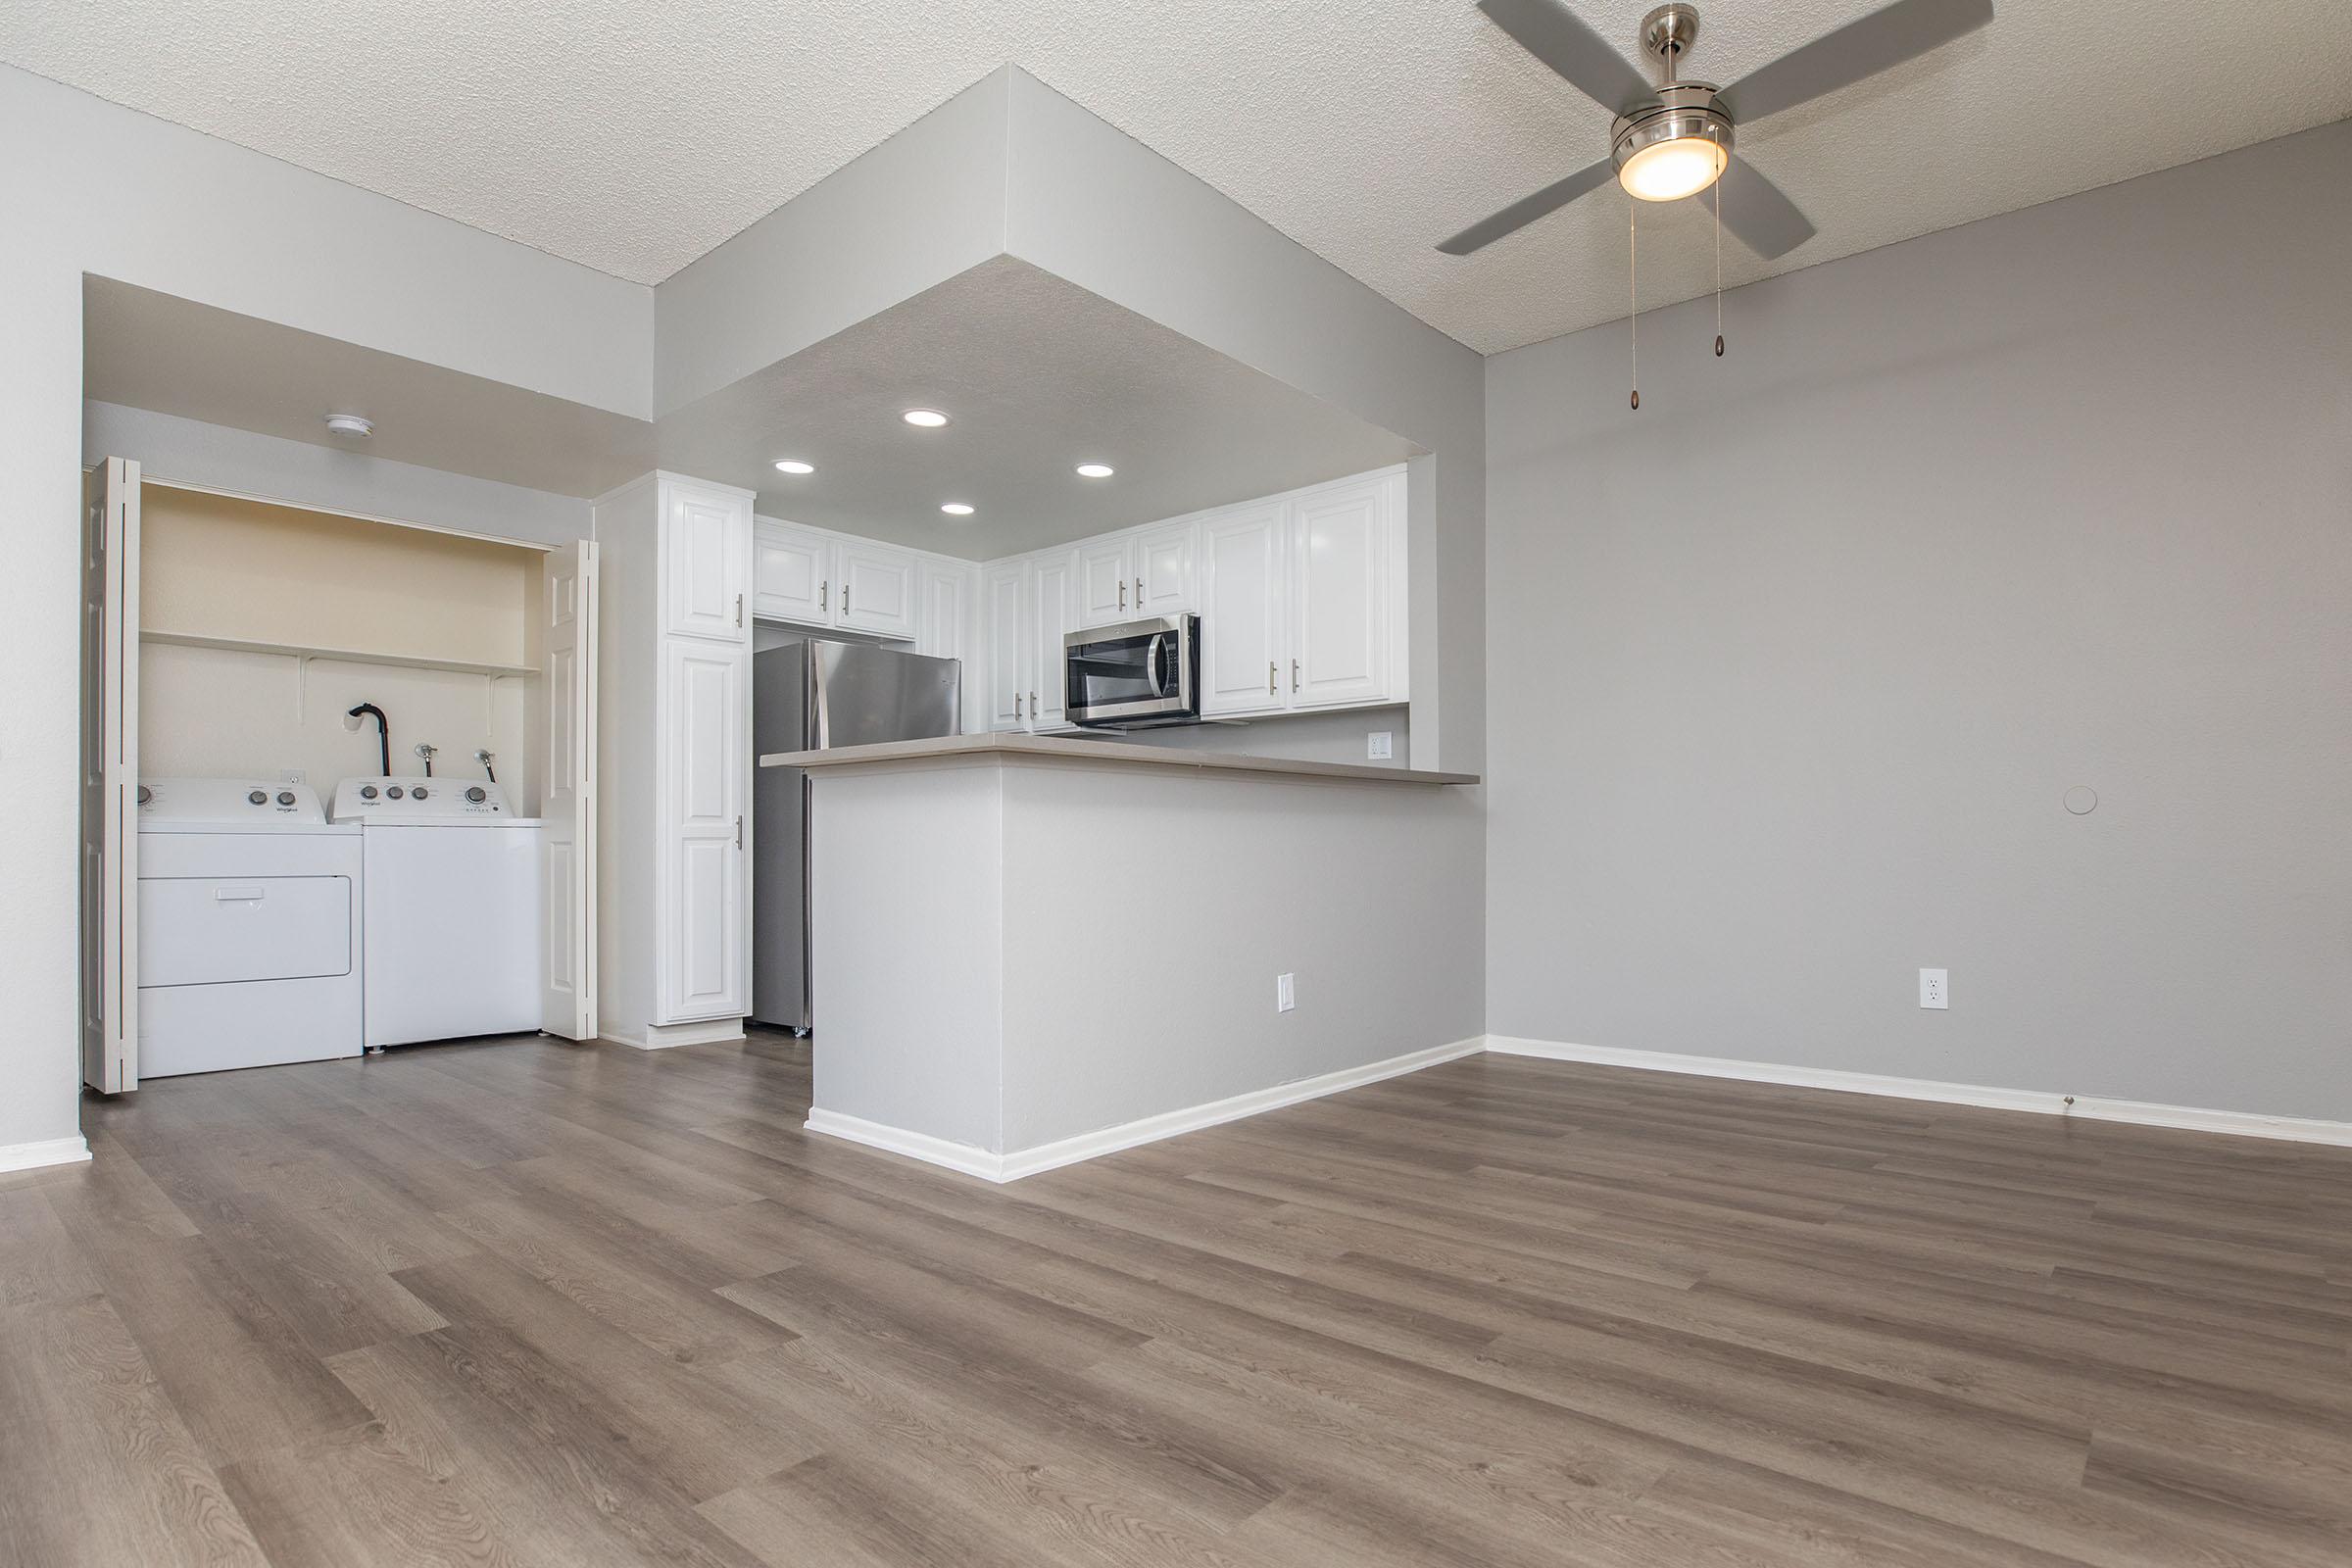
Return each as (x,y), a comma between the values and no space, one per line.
(928,418)
(350,424)
(794,465)
(956,509)
(1095,470)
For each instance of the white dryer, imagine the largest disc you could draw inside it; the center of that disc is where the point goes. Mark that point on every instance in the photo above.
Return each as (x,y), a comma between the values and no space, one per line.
(250,927)
(455,928)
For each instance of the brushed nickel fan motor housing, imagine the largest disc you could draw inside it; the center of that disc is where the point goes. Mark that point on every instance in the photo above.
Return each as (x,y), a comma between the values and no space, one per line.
(1670,27)
(1686,108)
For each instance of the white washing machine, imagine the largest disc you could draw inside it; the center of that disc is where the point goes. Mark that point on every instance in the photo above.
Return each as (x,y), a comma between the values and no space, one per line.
(456,942)
(250,927)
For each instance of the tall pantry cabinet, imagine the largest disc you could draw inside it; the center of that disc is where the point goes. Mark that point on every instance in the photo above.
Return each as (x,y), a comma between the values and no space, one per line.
(673,743)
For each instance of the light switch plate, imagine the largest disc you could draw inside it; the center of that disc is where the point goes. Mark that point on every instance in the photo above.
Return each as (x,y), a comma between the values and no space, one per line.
(1376,746)
(1285,993)
(1935,988)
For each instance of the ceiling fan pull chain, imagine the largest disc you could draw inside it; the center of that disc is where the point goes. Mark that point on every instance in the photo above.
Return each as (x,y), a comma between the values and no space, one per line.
(1633,295)
(1719,269)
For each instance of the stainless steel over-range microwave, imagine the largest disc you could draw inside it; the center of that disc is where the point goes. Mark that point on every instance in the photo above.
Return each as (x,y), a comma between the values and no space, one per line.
(1134,674)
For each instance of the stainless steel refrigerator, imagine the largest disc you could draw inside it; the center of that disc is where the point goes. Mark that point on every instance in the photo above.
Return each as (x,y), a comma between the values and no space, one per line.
(806,697)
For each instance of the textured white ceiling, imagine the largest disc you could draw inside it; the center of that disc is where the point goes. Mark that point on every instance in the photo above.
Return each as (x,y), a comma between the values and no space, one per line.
(634,137)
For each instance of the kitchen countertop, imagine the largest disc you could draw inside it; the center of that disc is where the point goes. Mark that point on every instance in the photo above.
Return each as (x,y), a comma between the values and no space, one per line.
(1115,754)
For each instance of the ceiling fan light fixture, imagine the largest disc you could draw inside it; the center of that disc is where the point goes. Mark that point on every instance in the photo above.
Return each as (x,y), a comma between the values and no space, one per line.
(1675,150)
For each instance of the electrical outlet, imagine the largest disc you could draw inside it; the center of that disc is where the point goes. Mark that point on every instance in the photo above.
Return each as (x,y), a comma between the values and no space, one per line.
(1285,993)
(1935,988)
(1376,746)
(292,775)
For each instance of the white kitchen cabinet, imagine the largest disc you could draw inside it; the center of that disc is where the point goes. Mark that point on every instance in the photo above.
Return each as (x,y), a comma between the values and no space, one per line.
(1104,583)
(1301,600)
(792,573)
(939,612)
(1161,561)
(674,757)
(1339,601)
(1028,605)
(704,789)
(877,589)
(1001,599)
(704,561)
(1051,590)
(1242,592)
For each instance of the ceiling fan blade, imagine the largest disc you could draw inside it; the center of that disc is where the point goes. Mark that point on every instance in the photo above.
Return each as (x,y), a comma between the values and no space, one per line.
(1863,48)
(1753,208)
(1527,209)
(1557,36)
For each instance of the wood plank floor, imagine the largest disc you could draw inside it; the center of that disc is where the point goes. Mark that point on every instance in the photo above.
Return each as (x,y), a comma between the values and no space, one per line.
(530,1303)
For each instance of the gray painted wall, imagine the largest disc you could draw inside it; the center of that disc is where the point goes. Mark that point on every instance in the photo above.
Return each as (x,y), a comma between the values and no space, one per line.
(1355,888)
(303,473)
(1791,670)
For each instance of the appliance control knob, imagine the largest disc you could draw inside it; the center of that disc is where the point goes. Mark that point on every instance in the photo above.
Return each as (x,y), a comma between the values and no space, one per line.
(366,792)
(393,793)
(145,794)
(285,797)
(476,793)
(259,797)
(418,793)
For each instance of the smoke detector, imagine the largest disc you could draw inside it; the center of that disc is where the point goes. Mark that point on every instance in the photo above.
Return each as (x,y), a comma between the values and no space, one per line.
(350,424)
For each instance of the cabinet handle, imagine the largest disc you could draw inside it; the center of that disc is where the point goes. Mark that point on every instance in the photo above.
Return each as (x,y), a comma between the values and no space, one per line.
(824,595)
(1139,593)
(739,609)
(845,597)
(1122,594)
(1269,677)
(1032,704)
(1016,705)
(1294,674)
(739,831)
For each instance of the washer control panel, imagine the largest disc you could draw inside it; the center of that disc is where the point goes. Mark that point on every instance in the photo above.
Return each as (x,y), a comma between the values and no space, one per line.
(409,800)
(226,800)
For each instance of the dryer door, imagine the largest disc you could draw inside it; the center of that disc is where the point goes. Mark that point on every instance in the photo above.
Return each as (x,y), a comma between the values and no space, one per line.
(208,930)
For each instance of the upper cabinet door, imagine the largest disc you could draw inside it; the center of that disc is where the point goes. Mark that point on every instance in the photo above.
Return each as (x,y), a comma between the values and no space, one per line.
(940,633)
(1006,672)
(1051,594)
(877,589)
(1340,569)
(1242,654)
(792,573)
(1162,565)
(1106,593)
(706,561)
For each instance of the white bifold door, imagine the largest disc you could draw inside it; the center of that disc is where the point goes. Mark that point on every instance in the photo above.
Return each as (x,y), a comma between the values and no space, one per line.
(567,1002)
(110,777)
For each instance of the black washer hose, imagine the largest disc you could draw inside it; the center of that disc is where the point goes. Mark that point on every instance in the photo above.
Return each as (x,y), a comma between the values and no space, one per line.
(383,735)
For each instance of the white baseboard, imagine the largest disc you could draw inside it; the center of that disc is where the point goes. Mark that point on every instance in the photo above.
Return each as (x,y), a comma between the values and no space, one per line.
(966,1158)
(2145,1114)
(49,1152)
(995,1167)
(663,1036)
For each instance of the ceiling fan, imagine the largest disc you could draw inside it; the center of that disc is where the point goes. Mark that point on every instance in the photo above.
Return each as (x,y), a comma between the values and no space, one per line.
(1675,140)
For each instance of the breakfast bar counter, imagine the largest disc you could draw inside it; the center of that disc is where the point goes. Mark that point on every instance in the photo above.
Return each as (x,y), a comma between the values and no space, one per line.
(1030,950)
